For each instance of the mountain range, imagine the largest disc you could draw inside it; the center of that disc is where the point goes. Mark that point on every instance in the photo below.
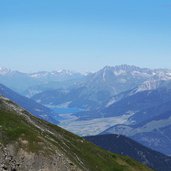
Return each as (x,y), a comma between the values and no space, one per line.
(30,83)
(96,89)
(125,100)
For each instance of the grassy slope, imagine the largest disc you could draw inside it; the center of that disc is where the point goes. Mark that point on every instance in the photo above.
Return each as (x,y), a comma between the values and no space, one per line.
(14,128)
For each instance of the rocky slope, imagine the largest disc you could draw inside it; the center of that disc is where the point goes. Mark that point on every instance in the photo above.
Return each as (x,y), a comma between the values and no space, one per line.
(28,143)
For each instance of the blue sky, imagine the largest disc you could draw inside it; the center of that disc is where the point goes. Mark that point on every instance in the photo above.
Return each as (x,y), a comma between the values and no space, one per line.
(84,35)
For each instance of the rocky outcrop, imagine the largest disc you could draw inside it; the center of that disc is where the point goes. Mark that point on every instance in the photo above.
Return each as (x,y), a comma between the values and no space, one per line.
(21,160)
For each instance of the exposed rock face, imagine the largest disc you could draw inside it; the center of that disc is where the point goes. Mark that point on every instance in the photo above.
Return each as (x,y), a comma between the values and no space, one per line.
(21,160)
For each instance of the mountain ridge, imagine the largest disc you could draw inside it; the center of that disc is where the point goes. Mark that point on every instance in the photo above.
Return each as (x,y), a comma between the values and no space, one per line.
(30,105)
(117,143)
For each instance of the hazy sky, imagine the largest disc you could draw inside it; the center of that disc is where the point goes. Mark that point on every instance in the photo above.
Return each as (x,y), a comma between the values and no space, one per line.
(84,35)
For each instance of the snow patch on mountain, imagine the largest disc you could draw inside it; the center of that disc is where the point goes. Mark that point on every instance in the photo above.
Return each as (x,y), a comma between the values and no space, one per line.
(148,85)
(63,105)
(39,74)
(119,72)
(112,101)
(4,71)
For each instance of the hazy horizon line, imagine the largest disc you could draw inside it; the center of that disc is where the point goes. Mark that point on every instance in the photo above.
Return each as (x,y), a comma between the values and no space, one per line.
(82,72)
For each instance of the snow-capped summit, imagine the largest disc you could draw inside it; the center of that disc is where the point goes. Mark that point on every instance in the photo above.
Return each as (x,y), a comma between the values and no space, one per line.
(53,74)
(39,74)
(159,80)
(4,71)
(124,70)
(63,72)
(162,74)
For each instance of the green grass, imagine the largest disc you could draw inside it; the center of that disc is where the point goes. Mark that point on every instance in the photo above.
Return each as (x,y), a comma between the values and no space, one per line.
(13,127)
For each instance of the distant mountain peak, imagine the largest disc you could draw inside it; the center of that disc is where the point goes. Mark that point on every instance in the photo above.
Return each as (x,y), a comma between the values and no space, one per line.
(125,67)
(61,72)
(123,70)
(64,71)
(4,70)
